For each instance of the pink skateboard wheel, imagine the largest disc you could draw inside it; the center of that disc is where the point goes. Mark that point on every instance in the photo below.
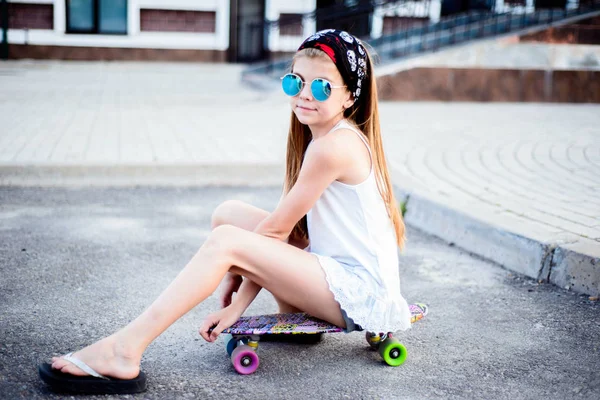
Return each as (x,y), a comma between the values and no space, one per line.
(244,360)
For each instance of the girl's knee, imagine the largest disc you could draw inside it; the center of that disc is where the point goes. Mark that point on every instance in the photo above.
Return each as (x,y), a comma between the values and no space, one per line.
(221,240)
(217,251)
(226,243)
(223,213)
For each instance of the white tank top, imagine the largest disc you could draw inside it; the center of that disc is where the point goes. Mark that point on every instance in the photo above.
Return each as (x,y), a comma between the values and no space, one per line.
(350,224)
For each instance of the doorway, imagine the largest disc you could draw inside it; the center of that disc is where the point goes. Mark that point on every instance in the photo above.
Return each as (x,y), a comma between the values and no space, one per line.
(247,31)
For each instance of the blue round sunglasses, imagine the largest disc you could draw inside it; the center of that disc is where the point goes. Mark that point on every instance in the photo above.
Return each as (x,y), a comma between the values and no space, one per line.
(292,85)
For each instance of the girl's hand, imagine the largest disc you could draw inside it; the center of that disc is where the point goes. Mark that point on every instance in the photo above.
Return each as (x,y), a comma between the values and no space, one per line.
(231,284)
(219,321)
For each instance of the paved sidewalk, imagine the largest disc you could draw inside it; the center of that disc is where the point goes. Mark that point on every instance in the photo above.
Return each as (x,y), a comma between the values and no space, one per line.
(516,183)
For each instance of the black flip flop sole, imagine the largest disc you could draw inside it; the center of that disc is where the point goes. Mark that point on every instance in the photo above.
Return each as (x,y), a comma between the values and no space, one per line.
(67,383)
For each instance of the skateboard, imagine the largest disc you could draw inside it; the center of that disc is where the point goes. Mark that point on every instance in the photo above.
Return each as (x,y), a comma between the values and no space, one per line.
(244,336)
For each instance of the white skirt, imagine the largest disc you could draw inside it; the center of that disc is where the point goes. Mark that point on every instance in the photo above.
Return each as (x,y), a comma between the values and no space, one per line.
(363,299)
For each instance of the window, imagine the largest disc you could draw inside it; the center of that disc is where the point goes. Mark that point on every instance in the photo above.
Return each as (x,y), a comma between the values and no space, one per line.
(290,24)
(97,16)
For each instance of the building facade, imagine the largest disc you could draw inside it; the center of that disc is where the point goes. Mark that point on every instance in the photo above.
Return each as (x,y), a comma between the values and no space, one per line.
(119,29)
(206,30)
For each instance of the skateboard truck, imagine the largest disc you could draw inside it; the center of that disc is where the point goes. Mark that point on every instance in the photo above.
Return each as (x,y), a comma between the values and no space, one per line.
(245,335)
(390,349)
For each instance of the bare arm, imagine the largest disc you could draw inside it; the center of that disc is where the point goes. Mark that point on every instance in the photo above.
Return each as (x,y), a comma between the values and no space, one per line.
(321,167)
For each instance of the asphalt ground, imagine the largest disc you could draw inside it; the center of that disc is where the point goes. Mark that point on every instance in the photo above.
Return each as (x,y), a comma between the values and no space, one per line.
(516,183)
(77,264)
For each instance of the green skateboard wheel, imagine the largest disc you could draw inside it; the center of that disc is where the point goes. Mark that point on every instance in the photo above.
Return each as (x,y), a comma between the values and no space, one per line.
(393,352)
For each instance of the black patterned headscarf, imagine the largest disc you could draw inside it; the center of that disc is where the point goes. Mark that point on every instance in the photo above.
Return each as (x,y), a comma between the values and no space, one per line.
(346,52)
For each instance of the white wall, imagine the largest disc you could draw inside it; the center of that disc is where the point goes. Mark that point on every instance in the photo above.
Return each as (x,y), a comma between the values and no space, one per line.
(529,7)
(273,8)
(134,38)
(408,9)
(290,43)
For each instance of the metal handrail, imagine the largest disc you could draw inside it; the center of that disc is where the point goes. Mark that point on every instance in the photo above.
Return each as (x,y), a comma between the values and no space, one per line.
(448,31)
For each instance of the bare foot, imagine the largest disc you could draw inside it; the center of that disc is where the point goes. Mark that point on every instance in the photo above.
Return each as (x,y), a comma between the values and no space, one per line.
(109,357)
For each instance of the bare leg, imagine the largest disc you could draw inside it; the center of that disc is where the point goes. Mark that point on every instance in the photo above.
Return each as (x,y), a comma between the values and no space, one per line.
(299,281)
(120,353)
(246,216)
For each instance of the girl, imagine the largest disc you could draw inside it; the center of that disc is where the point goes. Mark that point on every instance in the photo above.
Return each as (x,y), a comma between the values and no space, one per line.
(337,199)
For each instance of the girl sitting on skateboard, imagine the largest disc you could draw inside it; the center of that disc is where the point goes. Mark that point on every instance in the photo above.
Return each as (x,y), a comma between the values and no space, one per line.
(329,248)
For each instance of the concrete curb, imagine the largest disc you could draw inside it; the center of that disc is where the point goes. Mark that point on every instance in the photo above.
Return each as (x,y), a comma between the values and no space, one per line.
(568,263)
(575,269)
(230,174)
(573,266)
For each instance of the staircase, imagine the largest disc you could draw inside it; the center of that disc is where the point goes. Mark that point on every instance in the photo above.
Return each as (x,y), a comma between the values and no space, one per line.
(449,31)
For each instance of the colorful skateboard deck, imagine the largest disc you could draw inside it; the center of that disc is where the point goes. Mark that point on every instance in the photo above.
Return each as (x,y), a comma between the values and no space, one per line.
(298,323)
(417,311)
(281,323)
(247,331)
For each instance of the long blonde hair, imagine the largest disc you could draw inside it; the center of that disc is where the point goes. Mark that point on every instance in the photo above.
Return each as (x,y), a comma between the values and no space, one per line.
(365,115)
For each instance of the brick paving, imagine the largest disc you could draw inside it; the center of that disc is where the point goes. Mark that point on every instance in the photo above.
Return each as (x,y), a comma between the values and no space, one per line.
(127,113)
(536,164)
(531,168)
